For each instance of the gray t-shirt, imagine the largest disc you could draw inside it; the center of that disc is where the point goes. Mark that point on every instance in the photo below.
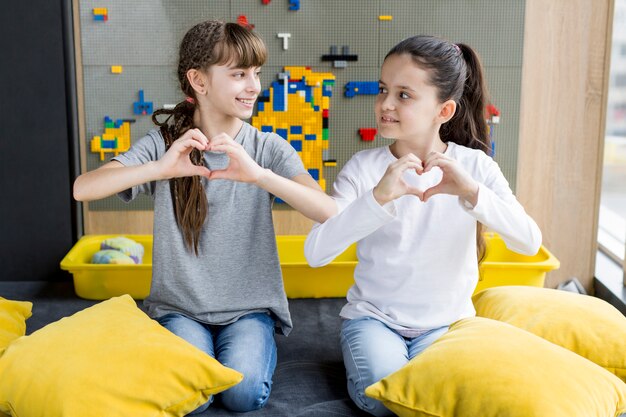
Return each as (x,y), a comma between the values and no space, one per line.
(237,270)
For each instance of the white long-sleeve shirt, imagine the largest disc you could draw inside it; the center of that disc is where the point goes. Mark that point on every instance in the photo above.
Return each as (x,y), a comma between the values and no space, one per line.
(417,265)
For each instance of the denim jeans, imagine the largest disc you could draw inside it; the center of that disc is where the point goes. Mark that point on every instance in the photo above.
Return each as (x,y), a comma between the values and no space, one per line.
(371,351)
(246,345)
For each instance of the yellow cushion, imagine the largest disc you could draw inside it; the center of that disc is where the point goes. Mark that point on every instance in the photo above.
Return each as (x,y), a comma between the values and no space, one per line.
(486,368)
(13,315)
(583,324)
(107,360)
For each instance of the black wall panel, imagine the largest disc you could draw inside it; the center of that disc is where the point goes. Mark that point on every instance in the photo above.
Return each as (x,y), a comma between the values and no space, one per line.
(36,209)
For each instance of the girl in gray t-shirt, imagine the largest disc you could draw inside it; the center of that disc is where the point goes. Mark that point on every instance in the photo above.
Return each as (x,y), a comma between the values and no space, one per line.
(216,276)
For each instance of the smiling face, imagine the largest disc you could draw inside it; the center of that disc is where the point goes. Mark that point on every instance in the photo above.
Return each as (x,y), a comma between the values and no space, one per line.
(232,91)
(407,107)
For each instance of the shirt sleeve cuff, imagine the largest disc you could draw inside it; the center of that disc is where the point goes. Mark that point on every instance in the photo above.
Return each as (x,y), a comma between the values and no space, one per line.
(386,212)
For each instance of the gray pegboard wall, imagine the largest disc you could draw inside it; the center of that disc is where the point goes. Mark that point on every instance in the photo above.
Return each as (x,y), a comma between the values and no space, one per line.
(142,36)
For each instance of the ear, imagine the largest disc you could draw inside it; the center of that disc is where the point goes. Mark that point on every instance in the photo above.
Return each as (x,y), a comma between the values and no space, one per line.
(448,108)
(198,80)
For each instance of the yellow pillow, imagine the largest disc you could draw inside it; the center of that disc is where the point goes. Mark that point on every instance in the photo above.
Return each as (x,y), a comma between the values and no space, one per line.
(13,315)
(486,368)
(107,360)
(583,324)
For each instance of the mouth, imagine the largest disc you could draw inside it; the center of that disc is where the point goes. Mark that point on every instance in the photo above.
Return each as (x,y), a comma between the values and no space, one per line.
(248,102)
(387,119)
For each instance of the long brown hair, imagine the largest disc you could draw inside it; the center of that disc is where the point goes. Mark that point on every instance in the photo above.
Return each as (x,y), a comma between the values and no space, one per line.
(207,43)
(457,73)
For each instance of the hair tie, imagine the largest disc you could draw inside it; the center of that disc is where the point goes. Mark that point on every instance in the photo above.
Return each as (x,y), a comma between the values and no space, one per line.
(190,100)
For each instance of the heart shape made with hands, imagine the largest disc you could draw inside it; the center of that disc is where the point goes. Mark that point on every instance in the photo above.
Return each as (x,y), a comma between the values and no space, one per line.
(423,181)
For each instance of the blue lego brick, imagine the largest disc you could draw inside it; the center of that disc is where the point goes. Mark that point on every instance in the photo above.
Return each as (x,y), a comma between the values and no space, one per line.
(267,129)
(316,108)
(310,137)
(119,123)
(261,106)
(282,132)
(295,130)
(279,96)
(108,144)
(315,173)
(278,201)
(266,93)
(99,17)
(308,94)
(327,90)
(357,88)
(294,4)
(142,106)
(297,145)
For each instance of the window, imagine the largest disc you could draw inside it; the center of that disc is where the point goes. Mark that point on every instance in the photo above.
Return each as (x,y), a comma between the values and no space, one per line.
(612,221)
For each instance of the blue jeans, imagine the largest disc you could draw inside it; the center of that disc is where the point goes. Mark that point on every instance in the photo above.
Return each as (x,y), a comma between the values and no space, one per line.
(371,351)
(246,345)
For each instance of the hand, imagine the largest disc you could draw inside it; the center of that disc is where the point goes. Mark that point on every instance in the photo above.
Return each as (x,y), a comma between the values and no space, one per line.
(455,180)
(241,167)
(176,163)
(392,186)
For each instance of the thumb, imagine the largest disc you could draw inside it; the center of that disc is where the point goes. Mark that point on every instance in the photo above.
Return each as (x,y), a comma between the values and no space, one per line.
(218,174)
(431,192)
(415,191)
(202,171)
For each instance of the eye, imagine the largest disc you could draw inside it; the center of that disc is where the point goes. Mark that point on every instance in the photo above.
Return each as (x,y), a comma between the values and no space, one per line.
(382,90)
(258,73)
(238,75)
(404,95)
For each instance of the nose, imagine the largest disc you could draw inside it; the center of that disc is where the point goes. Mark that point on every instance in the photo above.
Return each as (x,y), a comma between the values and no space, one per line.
(253,84)
(386,102)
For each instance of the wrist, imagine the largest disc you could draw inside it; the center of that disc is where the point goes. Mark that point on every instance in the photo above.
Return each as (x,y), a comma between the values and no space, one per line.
(262,176)
(379,198)
(471,195)
(155,173)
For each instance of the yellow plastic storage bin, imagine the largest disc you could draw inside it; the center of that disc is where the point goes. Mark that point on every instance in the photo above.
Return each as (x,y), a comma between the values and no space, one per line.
(98,282)
(505,267)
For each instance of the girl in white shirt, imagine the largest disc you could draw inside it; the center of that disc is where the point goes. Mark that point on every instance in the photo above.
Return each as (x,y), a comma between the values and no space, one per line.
(416,209)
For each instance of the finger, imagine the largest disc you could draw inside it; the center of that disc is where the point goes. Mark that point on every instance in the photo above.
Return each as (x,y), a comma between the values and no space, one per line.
(415,191)
(434,155)
(197,135)
(225,147)
(183,145)
(431,192)
(439,162)
(201,171)
(219,174)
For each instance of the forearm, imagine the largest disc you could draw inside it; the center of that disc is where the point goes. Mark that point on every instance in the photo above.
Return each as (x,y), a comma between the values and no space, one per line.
(111,179)
(358,220)
(312,203)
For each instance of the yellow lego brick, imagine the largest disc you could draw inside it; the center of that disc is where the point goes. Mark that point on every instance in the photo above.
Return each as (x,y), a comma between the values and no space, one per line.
(322,183)
(116,69)
(385,17)
(100,10)
(330,164)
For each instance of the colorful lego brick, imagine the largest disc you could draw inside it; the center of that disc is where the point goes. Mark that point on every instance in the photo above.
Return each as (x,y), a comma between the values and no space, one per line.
(297,145)
(294,5)
(315,173)
(385,17)
(142,106)
(265,2)
(367,134)
(285,37)
(116,69)
(358,88)
(100,14)
(297,107)
(242,20)
(115,139)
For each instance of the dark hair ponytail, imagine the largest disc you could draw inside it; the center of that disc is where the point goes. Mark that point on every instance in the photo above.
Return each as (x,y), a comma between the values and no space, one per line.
(190,203)
(208,43)
(456,71)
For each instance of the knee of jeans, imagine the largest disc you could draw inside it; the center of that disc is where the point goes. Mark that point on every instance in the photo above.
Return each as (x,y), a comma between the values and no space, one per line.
(370,405)
(247,397)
